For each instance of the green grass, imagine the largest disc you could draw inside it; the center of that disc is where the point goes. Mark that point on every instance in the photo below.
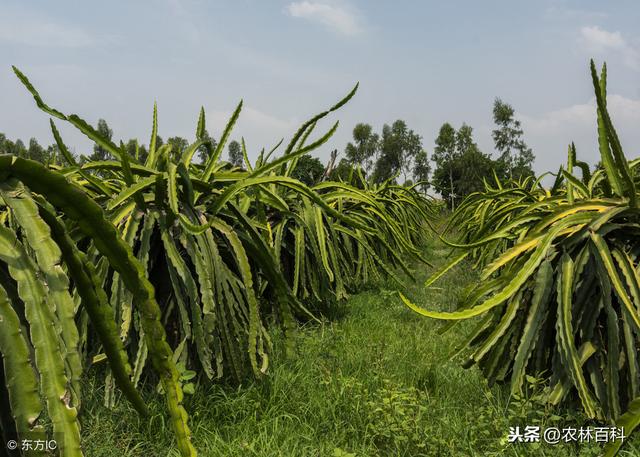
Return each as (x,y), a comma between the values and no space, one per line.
(375,381)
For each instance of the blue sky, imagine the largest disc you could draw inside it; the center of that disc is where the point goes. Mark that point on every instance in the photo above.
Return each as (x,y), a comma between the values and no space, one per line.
(425,62)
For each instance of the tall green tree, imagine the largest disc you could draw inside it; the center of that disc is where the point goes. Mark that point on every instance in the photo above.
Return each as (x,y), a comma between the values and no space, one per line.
(421,170)
(388,162)
(9,147)
(516,158)
(345,172)
(19,148)
(471,168)
(37,152)
(464,139)
(444,155)
(54,157)
(364,147)
(178,145)
(206,149)
(235,154)
(398,147)
(136,150)
(461,166)
(48,156)
(309,170)
(411,147)
(100,153)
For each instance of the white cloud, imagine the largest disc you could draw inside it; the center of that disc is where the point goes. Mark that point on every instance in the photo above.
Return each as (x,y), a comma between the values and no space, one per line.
(549,133)
(337,18)
(260,129)
(561,119)
(600,41)
(626,110)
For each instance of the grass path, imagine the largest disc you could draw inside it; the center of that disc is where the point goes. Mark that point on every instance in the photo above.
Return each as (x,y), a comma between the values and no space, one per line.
(375,382)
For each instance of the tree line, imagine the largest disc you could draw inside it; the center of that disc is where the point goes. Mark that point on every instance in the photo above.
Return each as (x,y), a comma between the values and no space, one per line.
(397,153)
(50,155)
(460,167)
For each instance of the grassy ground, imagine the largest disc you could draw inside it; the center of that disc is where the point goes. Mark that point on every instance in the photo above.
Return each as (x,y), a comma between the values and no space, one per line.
(375,382)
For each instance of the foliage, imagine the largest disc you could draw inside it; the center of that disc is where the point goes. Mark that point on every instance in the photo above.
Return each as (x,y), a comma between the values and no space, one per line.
(445,155)
(178,145)
(209,144)
(398,147)
(421,170)
(308,170)
(99,151)
(136,151)
(363,150)
(461,168)
(516,157)
(460,165)
(359,244)
(560,287)
(328,396)
(345,172)
(471,169)
(56,346)
(180,265)
(235,154)
(35,151)
(16,148)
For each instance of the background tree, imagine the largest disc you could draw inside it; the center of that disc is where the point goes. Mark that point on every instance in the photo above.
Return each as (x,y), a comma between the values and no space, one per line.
(364,147)
(206,149)
(178,145)
(462,167)
(398,147)
(19,148)
(99,153)
(136,150)
(411,146)
(48,156)
(388,164)
(9,147)
(421,170)
(143,153)
(37,152)
(444,155)
(523,165)
(235,154)
(54,157)
(345,172)
(471,168)
(464,140)
(309,170)
(516,158)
